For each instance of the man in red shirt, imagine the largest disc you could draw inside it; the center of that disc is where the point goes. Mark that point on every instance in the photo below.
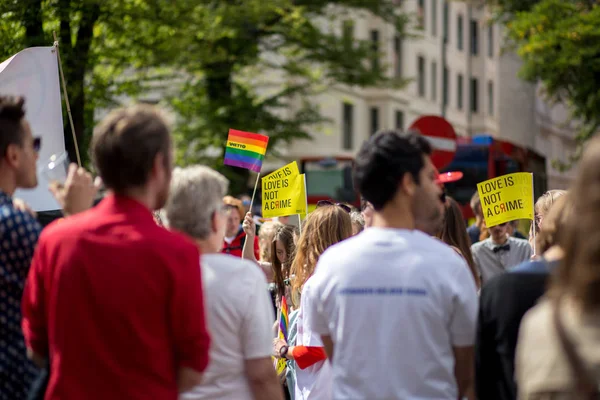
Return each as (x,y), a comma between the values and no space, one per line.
(235,237)
(112,299)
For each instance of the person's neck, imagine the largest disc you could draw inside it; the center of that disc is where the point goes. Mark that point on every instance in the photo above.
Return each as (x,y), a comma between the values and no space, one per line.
(502,240)
(142,195)
(393,218)
(7,182)
(205,247)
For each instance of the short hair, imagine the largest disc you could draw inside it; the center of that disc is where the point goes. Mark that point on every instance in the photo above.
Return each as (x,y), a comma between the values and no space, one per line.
(357,219)
(126,143)
(382,162)
(195,194)
(12,113)
(232,202)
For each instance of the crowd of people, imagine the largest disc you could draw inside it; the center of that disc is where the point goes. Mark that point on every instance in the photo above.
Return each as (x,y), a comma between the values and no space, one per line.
(168,289)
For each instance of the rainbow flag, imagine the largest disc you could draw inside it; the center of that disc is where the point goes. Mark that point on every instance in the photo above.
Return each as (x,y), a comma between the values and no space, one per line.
(245,150)
(280,363)
(283,319)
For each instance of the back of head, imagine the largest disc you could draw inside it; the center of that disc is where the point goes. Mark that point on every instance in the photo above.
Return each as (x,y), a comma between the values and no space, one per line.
(265,237)
(125,146)
(555,223)
(358,221)
(195,195)
(543,205)
(382,162)
(324,227)
(579,273)
(12,113)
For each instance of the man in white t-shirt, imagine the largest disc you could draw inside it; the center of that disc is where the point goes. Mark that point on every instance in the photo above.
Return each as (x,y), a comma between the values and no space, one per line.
(396,309)
(239,310)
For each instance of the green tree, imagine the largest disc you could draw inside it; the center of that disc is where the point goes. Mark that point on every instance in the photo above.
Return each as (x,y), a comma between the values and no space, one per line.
(212,60)
(559,42)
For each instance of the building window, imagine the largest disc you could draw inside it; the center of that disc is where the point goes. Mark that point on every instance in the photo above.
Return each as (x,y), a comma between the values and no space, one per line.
(491,41)
(459,32)
(459,92)
(490,93)
(434,17)
(348,126)
(375,49)
(474,95)
(421,14)
(400,120)
(446,20)
(474,37)
(421,77)
(434,81)
(398,56)
(374,120)
(445,87)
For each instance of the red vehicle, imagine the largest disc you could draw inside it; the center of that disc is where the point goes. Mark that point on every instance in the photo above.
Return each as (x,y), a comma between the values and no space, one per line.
(479,158)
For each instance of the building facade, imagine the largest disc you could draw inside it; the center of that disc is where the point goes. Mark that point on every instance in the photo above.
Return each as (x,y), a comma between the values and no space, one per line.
(458,69)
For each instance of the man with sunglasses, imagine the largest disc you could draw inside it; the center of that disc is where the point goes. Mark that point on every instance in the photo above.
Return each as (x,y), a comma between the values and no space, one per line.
(496,254)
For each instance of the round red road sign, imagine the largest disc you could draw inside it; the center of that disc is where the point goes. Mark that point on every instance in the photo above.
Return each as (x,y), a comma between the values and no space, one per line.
(440,133)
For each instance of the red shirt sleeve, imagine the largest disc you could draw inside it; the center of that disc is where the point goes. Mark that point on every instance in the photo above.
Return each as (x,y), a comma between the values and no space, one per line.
(188,319)
(305,356)
(33,305)
(256,248)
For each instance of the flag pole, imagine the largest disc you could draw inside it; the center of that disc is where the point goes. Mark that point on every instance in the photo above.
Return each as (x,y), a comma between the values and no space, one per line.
(533,222)
(254,192)
(64,85)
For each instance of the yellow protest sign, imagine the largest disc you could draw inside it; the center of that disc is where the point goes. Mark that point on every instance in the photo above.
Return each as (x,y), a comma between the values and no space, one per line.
(507,198)
(286,171)
(283,196)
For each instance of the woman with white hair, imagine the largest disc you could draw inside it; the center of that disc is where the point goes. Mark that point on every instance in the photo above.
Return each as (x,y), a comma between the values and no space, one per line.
(238,305)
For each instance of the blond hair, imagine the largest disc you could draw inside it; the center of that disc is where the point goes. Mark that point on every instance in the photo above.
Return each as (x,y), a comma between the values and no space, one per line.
(323,227)
(232,202)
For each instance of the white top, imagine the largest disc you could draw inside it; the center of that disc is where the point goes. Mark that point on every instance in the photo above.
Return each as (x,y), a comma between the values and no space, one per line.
(395,303)
(240,318)
(314,382)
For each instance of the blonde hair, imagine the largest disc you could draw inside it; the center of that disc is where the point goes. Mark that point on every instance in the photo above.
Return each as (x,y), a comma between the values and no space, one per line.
(543,205)
(323,227)
(231,201)
(265,237)
(555,222)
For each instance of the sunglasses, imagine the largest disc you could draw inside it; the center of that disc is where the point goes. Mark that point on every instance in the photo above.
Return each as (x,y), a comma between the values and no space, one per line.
(37,144)
(325,203)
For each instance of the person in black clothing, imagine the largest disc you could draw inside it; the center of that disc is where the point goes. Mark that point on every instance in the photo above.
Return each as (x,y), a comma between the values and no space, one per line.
(504,301)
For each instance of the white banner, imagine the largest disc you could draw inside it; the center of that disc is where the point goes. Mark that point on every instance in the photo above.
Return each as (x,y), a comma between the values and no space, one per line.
(33,74)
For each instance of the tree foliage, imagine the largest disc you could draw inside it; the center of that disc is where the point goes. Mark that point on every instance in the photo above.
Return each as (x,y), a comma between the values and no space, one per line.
(559,42)
(246,64)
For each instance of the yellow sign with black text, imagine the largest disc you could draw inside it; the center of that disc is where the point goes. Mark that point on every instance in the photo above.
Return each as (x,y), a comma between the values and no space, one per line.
(284,172)
(283,196)
(507,198)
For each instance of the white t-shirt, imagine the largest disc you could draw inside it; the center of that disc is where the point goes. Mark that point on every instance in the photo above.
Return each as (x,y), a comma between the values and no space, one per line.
(395,303)
(313,382)
(240,318)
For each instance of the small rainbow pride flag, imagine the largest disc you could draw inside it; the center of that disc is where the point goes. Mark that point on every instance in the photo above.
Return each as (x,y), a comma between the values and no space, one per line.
(283,320)
(245,150)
